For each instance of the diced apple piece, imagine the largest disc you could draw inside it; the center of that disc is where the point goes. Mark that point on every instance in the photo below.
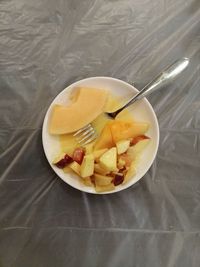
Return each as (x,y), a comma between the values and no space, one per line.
(87,166)
(89,148)
(58,158)
(121,163)
(122,146)
(125,157)
(87,181)
(105,140)
(98,153)
(75,167)
(62,161)
(78,155)
(136,149)
(100,170)
(124,130)
(102,179)
(67,169)
(118,179)
(109,160)
(131,153)
(130,173)
(105,188)
(136,139)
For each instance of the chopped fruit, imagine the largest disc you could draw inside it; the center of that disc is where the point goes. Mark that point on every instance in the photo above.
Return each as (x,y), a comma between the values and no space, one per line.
(58,158)
(102,180)
(68,119)
(75,167)
(92,179)
(98,153)
(78,155)
(140,145)
(62,162)
(121,163)
(100,122)
(123,170)
(130,173)
(67,169)
(104,188)
(125,157)
(108,160)
(122,146)
(112,158)
(87,166)
(124,130)
(87,181)
(118,179)
(100,170)
(136,139)
(131,153)
(89,148)
(105,140)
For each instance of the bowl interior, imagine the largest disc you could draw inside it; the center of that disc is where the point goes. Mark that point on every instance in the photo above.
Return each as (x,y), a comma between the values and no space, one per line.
(141,110)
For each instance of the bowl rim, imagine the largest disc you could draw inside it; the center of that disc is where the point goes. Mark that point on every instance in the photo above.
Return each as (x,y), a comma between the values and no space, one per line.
(117,189)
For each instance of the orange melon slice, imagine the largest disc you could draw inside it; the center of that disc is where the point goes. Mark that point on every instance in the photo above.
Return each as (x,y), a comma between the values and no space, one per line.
(105,140)
(116,130)
(88,104)
(122,130)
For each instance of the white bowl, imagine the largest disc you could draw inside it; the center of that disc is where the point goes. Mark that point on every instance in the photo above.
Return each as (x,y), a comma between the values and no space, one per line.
(141,110)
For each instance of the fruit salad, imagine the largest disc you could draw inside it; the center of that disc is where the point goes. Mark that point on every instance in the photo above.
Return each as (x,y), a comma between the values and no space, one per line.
(111,159)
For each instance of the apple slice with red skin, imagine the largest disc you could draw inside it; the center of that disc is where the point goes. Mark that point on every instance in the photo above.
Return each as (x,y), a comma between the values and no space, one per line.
(78,155)
(137,139)
(63,162)
(118,179)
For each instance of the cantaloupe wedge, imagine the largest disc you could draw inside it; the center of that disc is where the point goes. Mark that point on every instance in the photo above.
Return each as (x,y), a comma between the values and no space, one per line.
(89,104)
(105,140)
(121,130)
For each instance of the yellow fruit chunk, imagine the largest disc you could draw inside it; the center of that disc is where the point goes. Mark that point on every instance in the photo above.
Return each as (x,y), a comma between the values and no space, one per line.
(108,160)
(87,181)
(88,104)
(122,146)
(121,163)
(99,153)
(130,173)
(137,148)
(98,169)
(89,148)
(105,140)
(75,167)
(121,130)
(58,158)
(102,180)
(87,166)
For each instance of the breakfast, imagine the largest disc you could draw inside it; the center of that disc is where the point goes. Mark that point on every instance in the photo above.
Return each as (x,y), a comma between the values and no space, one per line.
(111,159)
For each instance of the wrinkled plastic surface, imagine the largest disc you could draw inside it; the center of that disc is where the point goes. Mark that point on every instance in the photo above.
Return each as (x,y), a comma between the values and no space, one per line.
(45,46)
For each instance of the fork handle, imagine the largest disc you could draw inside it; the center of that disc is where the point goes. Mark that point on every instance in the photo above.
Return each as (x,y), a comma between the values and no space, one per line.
(163,79)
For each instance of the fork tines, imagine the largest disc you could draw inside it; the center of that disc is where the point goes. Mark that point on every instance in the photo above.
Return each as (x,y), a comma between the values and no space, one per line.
(85,135)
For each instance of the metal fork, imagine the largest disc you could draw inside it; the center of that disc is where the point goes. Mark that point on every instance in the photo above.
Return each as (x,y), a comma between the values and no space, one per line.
(87,134)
